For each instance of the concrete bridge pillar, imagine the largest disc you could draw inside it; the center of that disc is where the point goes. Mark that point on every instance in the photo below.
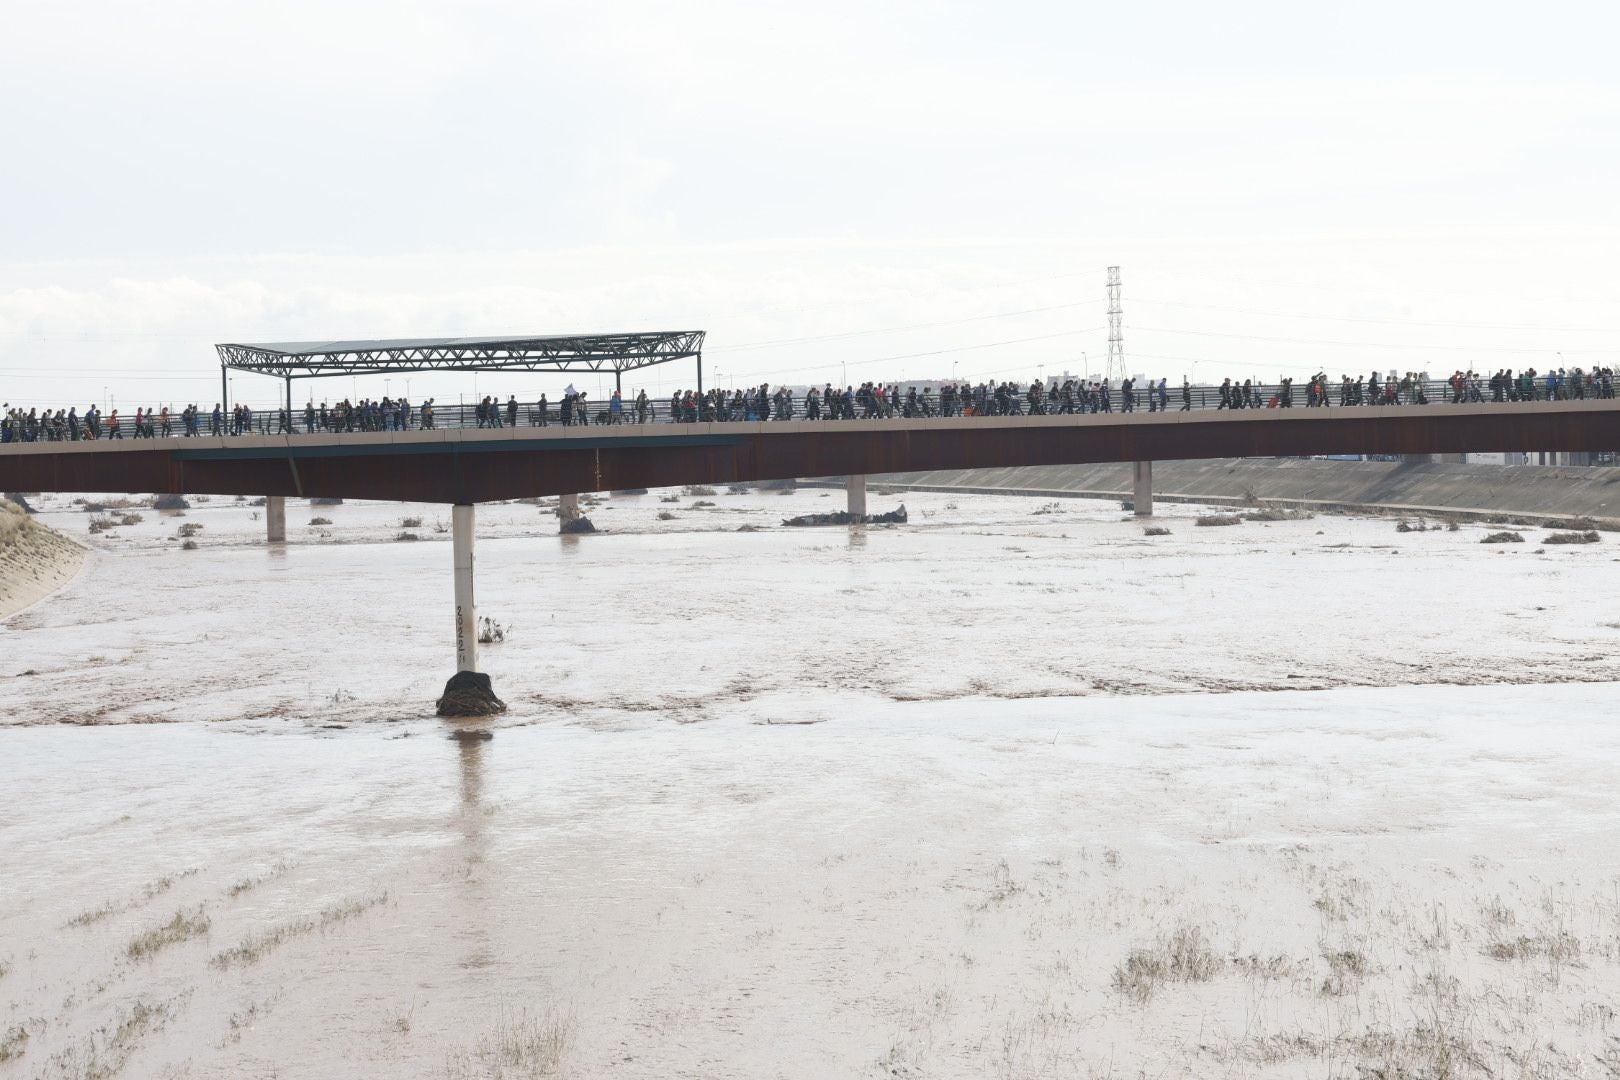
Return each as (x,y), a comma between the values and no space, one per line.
(275,519)
(468,693)
(1143,498)
(462,521)
(567,508)
(855,486)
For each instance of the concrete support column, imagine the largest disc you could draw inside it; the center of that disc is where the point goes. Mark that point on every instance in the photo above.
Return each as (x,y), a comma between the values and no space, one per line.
(275,519)
(1143,499)
(567,508)
(461,523)
(468,693)
(855,486)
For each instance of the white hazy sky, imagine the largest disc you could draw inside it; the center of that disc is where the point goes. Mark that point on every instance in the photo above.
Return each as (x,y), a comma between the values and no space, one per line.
(920,188)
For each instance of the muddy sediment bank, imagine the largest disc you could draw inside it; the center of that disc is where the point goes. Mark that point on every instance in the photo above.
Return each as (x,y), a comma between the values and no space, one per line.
(35,560)
(1456,490)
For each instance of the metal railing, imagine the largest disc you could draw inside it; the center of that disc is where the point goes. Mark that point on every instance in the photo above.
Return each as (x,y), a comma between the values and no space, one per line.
(863,404)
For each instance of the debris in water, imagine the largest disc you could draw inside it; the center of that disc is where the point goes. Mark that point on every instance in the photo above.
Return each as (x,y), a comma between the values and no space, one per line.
(893,517)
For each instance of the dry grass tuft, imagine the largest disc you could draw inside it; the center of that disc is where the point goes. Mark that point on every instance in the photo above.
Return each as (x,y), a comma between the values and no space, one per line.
(1345,968)
(528,1047)
(12,1043)
(1559,946)
(256,946)
(1218,519)
(150,891)
(1155,530)
(1276,966)
(248,884)
(183,927)
(1502,538)
(1182,958)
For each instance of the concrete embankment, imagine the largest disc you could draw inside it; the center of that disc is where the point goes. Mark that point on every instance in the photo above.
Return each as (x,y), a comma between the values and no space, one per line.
(35,561)
(1405,487)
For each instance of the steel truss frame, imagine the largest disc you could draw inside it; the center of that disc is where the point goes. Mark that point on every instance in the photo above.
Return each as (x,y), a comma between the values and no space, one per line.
(587,352)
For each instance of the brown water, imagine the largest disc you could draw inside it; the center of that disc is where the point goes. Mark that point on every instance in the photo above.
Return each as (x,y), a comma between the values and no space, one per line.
(806,856)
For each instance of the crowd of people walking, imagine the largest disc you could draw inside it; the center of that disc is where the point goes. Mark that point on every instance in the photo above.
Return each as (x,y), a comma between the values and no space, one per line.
(870,400)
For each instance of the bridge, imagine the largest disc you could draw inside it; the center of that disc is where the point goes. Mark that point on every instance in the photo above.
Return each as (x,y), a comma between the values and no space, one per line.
(465,466)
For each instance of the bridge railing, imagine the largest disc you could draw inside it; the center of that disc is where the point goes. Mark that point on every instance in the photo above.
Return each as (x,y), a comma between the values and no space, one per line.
(861,405)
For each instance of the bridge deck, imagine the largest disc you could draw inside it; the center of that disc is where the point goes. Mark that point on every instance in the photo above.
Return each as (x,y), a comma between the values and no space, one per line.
(460,464)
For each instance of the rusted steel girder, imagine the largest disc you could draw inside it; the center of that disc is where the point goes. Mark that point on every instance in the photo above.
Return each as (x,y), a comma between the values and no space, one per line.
(480,466)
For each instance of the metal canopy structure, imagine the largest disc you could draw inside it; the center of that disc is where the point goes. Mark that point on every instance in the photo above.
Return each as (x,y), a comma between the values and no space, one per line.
(618,353)
(573,352)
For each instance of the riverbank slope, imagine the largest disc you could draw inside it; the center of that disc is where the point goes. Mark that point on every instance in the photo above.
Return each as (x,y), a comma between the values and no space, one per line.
(35,560)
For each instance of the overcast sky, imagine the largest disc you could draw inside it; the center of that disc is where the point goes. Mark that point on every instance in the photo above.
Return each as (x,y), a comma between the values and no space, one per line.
(921,188)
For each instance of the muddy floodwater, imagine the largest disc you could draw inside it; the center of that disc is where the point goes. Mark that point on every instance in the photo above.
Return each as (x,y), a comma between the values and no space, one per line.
(1014,790)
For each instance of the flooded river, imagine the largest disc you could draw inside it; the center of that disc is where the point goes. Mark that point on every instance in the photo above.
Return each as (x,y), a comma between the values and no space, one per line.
(1014,790)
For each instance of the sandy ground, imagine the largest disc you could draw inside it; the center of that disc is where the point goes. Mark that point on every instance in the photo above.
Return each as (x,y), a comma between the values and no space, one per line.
(1015,790)
(34,561)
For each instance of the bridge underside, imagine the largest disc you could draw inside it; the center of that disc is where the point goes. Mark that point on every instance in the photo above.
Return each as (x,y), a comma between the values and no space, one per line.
(463,466)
